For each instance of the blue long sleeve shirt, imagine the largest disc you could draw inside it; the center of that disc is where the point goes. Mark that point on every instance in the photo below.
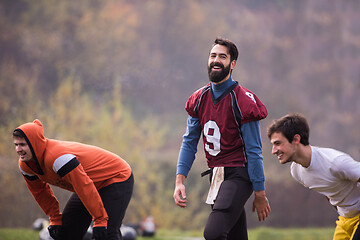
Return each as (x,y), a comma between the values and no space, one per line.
(251,137)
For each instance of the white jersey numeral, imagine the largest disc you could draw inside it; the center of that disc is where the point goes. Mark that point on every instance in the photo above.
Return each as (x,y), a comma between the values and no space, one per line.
(213,136)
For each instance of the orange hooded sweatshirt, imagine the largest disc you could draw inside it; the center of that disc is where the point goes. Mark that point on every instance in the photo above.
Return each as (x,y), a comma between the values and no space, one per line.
(69,165)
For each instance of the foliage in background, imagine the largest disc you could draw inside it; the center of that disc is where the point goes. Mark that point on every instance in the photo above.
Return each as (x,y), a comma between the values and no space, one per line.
(117,74)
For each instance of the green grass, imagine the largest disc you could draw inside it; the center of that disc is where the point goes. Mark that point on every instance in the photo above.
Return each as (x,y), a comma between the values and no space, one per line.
(18,234)
(254,234)
(291,234)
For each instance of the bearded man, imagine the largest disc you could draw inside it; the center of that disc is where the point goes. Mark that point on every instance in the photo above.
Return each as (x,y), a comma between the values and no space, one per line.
(228,116)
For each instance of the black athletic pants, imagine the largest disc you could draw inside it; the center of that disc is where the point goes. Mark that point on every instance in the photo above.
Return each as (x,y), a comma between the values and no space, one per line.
(115,197)
(227,220)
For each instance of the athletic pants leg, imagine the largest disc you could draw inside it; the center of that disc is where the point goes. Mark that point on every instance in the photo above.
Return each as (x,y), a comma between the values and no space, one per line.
(227,220)
(76,219)
(239,231)
(116,197)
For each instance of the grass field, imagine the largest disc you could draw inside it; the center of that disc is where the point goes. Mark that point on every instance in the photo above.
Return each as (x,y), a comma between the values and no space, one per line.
(254,234)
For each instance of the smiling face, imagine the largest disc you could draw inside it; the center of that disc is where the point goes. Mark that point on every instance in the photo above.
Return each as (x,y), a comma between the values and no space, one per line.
(23,149)
(282,148)
(219,64)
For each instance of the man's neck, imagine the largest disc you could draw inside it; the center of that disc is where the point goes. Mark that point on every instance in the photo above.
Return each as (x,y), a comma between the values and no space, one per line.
(226,78)
(304,156)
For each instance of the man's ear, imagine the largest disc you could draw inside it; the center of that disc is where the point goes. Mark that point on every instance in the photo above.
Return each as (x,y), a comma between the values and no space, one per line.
(232,64)
(297,138)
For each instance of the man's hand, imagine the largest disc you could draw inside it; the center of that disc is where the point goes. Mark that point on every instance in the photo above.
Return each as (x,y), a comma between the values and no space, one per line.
(99,233)
(54,231)
(261,205)
(179,192)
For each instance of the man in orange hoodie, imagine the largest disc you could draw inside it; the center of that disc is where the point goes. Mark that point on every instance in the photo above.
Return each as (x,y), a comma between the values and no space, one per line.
(102,183)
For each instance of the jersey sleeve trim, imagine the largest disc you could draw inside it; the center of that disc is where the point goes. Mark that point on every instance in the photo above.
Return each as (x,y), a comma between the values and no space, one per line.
(28,176)
(65,164)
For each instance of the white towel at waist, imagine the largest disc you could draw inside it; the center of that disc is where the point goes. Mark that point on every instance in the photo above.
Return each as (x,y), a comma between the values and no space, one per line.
(216,180)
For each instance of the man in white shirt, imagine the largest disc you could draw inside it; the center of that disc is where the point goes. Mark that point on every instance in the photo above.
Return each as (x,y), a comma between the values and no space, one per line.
(325,170)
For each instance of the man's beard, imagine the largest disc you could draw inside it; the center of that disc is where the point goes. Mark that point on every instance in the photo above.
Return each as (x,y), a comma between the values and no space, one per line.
(217,76)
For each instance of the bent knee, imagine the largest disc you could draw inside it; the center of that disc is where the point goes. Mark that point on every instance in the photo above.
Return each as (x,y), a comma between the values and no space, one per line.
(214,234)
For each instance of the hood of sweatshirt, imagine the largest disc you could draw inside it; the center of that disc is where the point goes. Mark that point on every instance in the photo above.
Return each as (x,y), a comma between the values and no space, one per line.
(34,136)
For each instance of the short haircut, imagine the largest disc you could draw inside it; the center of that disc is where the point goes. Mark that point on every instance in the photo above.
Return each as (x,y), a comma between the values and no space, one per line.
(289,126)
(232,49)
(18,133)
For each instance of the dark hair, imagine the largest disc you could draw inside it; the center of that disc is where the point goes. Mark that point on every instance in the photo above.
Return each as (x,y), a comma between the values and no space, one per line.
(232,49)
(18,133)
(290,125)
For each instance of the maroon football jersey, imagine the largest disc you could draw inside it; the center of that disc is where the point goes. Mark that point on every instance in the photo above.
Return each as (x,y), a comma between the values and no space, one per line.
(221,121)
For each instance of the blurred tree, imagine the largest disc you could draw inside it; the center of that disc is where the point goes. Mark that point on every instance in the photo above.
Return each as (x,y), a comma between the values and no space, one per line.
(60,61)
(71,114)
